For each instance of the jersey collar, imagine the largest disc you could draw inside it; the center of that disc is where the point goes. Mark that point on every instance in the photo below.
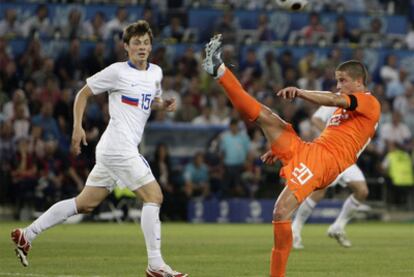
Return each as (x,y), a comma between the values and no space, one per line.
(134,67)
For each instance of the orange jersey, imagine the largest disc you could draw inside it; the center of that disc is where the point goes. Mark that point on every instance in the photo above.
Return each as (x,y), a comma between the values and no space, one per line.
(349,131)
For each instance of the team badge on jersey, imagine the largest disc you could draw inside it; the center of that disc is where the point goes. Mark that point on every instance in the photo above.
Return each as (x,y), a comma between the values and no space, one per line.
(129,100)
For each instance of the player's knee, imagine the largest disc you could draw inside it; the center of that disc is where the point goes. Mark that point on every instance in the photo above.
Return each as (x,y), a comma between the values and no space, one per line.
(362,193)
(86,208)
(280,213)
(157,198)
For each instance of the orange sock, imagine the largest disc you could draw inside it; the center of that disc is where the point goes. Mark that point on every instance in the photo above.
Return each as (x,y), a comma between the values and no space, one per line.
(282,232)
(240,99)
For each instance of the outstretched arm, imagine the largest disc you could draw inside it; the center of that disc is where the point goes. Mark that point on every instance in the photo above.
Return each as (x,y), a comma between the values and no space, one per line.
(317,97)
(79,106)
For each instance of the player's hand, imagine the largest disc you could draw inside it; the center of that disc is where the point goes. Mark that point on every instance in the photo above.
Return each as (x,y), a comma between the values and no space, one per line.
(289,92)
(78,136)
(170,105)
(268,158)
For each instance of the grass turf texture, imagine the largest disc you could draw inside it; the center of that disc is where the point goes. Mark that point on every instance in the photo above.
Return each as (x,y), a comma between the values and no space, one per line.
(210,250)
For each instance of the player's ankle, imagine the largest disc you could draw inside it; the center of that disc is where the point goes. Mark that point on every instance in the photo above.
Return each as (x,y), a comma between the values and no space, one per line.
(220,71)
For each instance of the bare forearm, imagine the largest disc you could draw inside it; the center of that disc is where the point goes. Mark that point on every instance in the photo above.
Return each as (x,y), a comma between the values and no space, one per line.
(80,105)
(323,98)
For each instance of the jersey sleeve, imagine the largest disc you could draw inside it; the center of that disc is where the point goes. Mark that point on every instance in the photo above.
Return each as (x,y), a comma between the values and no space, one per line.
(158,88)
(104,80)
(324,113)
(364,103)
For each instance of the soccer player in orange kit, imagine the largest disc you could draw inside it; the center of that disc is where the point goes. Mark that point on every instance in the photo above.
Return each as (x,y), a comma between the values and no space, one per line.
(306,166)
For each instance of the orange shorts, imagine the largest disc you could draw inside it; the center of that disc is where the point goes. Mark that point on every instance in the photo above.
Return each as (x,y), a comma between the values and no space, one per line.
(306,166)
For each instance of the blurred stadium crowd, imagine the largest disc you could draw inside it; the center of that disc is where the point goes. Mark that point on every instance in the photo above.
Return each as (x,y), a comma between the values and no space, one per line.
(46,55)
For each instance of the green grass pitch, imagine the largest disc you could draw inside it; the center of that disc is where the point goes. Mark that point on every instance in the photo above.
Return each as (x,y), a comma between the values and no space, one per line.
(210,250)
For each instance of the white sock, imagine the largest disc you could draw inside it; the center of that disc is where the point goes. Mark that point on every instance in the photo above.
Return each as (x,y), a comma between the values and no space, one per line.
(151,227)
(220,71)
(303,213)
(347,212)
(56,214)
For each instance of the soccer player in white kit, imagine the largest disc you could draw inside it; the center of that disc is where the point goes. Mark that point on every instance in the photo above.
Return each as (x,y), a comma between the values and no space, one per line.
(133,90)
(352,177)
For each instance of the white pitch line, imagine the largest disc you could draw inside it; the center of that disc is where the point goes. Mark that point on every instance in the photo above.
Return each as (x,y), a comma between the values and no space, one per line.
(41,275)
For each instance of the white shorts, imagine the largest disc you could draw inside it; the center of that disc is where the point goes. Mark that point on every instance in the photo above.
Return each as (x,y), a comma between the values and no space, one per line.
(351,174)
(131,173)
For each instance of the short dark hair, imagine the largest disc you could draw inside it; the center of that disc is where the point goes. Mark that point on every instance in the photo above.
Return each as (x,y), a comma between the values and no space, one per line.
(139,28)
(355,70)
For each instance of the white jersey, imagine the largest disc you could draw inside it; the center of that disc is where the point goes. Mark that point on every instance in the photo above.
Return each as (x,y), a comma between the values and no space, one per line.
(130,95)
(325,113)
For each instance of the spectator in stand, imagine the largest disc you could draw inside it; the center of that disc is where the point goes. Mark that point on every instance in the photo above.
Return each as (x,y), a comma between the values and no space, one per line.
(396,132)
(75,27)
(290,77)
(160,58)
(206,117)
(397,87)
(264,32)
(250,63)
(52,172)
(250,67)
(5,55)
(50,91)
(38,23)
(118,53)
(47,122)
(69,65)
(313,28)
(32,58)
(24,176)
(9,26)
(332,60)
(234,146)
(272,71)
(306,62)
(221,109)
(173,32)
(188,111)
(19,98)
(7,145)
(196,178)
(36,143)
(20,121)
(96,60)
(228,27)
(115,27)
(33,96)
(149,16)
(342,35)
(409,39)
(46,71)
(188,64)
(95,28)
(389,71)
(197,97)
(310,81)
(76,175)
(407,108)
(174,204)
(287,62)
(398,167)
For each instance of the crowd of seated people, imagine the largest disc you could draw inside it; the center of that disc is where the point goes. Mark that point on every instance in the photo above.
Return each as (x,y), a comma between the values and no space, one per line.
(37,89)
